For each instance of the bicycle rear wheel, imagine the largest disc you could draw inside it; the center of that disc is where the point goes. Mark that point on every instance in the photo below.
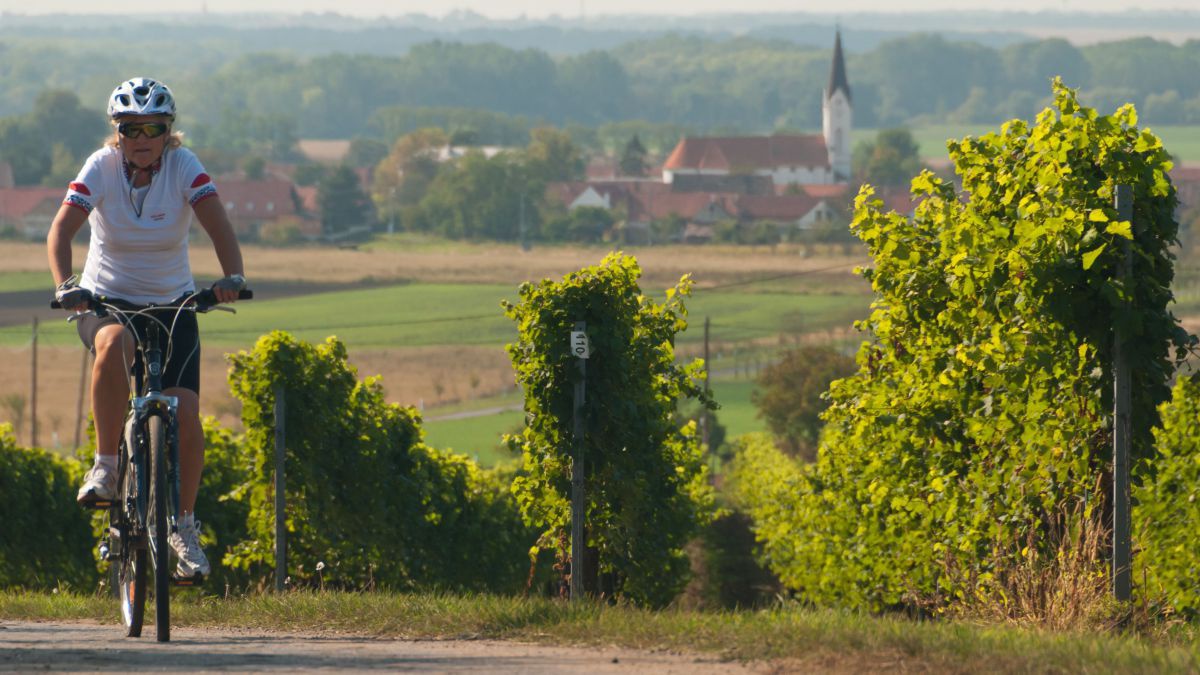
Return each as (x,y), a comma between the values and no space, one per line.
(159,550)
(130,565)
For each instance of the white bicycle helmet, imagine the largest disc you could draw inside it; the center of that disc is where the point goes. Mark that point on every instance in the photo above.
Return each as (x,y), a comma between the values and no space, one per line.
(141,96)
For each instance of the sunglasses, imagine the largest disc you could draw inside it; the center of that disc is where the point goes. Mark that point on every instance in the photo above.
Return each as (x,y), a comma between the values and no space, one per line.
(139,129)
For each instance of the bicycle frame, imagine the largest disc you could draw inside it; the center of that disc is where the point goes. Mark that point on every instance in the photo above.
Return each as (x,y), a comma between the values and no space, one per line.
(151,401)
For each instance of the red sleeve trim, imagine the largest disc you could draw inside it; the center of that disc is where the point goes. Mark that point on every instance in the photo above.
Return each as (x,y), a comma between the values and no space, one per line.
(202,179)
(80,188)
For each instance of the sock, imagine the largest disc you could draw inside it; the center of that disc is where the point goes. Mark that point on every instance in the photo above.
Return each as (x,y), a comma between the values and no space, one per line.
(107,461)
(188,518)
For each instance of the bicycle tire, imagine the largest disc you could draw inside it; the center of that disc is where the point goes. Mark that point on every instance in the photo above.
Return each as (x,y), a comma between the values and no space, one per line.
(159,548)
(130,566)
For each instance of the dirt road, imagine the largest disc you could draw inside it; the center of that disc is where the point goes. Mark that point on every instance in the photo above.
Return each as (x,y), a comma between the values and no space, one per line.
(82,647)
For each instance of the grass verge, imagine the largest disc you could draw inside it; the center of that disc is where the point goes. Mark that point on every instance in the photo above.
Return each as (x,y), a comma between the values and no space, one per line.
(802,638)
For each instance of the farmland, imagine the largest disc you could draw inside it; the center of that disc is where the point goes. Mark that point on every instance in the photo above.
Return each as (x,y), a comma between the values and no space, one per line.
(425,315)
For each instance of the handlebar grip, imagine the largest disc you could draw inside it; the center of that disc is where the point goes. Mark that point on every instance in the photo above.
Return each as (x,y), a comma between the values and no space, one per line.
(245,294)
(54,304)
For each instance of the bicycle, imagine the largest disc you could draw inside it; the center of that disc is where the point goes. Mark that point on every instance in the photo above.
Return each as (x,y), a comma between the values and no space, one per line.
(147,467)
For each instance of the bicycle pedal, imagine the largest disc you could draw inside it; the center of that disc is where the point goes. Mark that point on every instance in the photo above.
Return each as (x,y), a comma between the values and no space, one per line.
(196,580)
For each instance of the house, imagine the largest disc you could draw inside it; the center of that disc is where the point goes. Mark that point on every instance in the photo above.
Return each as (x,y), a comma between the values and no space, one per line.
(784,159)
(251,204)
(28,211)
(644,202)
(746,184)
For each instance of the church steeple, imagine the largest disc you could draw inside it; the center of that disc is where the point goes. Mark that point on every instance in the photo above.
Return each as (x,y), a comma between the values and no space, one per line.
(837,74)
(837,115)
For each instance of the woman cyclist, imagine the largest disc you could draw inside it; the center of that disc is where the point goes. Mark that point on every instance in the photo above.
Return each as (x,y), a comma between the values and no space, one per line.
(138,194)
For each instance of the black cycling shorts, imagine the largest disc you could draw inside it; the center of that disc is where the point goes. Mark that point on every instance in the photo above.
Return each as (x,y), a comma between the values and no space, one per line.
(182,367)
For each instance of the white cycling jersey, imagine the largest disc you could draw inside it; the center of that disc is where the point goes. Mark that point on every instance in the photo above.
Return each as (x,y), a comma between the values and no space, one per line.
(138,249)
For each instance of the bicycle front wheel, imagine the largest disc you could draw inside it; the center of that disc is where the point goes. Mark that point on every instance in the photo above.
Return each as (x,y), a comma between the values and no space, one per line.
(159,521)
(130,565)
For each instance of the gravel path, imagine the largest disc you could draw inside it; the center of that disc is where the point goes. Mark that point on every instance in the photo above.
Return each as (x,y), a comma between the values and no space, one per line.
(89,647)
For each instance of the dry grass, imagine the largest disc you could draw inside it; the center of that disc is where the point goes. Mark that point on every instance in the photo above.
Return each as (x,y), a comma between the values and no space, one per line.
(1065,586)
(419,376)
(492,263)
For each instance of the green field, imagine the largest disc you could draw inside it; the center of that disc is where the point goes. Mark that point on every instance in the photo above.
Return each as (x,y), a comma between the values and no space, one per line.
(470,314)
(475,437)
(27,281)
(479,437)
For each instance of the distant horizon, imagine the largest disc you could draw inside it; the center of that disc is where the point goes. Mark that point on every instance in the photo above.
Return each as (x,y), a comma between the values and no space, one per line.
(574,9)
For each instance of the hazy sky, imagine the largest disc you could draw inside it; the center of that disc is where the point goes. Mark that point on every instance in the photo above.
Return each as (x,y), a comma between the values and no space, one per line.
(572,8)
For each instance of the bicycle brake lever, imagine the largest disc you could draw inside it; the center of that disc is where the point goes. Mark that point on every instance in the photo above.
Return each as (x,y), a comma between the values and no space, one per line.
(223,308)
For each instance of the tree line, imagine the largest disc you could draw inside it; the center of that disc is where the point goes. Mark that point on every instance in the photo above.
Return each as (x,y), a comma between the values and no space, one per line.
(702,83)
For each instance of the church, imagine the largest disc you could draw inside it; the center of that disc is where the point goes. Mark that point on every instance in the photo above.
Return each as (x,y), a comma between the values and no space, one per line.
(817,159)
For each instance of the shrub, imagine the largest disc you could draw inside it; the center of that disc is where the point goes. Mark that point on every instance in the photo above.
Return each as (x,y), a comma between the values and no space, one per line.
(646,481)
(790,395)
(364,495)
(47,539)
(979,416)
(1167,506)
(220,506)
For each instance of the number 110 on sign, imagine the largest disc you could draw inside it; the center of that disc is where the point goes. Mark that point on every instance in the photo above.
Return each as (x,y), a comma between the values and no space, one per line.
(580,347)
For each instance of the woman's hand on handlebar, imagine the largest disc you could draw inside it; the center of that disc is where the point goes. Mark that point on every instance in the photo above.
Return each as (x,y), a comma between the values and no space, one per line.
(227,289)
(71,297)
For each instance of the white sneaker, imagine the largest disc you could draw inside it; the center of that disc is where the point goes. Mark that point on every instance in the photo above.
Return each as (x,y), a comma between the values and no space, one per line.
(99,484)
(186,542)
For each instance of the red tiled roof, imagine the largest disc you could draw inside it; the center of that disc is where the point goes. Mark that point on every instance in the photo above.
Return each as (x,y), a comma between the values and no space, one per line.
(748,152)
(256,198)
(18,202)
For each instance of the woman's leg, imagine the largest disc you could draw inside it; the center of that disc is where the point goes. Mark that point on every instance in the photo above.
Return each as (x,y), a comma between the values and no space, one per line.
(191,446)
(110,385)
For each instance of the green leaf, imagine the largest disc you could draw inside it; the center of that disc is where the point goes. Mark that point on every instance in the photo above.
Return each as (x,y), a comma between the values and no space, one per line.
(1089,258)
(1122,228)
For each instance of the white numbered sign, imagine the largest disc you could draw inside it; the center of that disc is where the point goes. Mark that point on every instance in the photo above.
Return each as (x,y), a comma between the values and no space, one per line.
(579,344)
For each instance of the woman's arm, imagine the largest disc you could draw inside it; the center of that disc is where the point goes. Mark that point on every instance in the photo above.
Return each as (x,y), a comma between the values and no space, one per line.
(63,229)
(212,217)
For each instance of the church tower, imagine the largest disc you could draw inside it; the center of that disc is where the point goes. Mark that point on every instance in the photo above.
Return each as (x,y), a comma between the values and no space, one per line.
(837,115)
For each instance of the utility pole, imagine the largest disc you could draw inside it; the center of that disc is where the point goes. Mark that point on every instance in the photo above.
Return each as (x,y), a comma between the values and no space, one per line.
(83,371)
(33,430)
(581,350)
(705,420)
(521,226)
(1122,555)
(392,210)
(280,493)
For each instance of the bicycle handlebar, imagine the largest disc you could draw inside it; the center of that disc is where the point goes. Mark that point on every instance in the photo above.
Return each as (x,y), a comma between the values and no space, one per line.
(203,300)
